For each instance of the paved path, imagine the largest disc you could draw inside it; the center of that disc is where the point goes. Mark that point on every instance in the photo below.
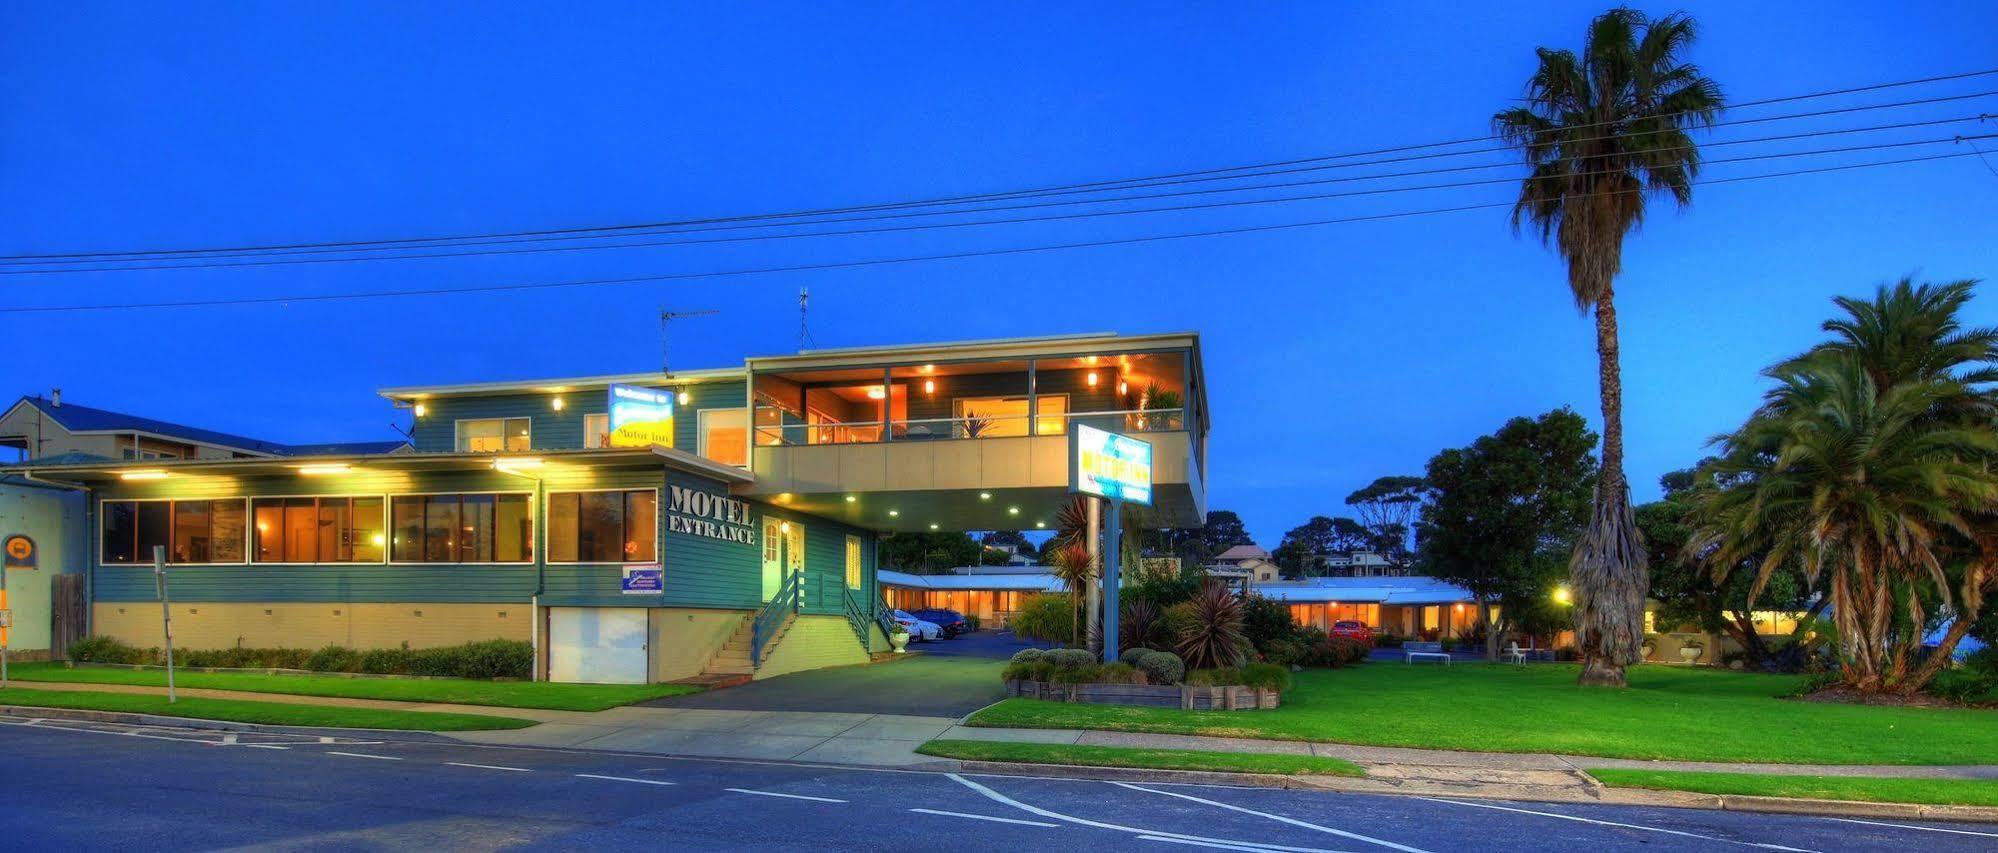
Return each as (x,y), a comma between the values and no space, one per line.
(104,787)
(924,685)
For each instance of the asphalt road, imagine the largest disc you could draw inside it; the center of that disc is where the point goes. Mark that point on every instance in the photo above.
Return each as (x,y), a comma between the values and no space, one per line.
(951,678)
(70,786)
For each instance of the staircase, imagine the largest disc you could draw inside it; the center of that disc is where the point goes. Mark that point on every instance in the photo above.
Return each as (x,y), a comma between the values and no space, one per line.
(732,664)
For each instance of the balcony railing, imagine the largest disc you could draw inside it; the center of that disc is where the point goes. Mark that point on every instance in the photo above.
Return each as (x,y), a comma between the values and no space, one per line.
(970,427)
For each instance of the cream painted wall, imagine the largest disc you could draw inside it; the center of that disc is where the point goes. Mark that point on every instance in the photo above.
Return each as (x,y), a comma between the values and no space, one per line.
(207,625)
(684,640)
(813,642)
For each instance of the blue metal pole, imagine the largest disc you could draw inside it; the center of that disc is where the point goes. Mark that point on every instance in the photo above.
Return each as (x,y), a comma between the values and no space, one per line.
(1113,536)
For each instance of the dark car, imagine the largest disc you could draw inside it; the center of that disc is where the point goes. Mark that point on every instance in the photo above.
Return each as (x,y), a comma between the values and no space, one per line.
(951,621)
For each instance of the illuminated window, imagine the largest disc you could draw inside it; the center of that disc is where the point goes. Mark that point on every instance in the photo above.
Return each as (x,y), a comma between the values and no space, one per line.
(494,435)
(596,430)
(603,527)
(475,528)
(206,531)
(995,417)
(725,435)
(853,562)
(317,530)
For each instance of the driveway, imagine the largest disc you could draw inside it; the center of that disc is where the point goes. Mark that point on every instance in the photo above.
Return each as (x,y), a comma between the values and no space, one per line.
(950,678)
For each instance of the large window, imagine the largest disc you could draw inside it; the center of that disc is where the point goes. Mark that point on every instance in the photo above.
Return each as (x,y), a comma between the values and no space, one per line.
(474,528)
(603,527)
(317,530)
(725,435)
(993,417)
(853,560)
(205,531)
(494,435)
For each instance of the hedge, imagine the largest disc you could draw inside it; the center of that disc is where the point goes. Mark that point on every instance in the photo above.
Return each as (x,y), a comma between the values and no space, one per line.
(485,659)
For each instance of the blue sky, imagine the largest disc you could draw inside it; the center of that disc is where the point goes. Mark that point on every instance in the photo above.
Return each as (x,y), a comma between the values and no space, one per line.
(1335,354)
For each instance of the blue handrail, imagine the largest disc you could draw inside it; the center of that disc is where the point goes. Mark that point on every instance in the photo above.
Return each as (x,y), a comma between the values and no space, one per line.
(858,616)
(772,617)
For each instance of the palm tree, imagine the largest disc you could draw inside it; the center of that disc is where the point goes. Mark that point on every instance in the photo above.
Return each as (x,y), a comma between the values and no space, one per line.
(1601,131)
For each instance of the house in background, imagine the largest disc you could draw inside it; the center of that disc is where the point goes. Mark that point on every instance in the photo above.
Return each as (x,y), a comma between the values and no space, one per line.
(43,428)
(1244,566)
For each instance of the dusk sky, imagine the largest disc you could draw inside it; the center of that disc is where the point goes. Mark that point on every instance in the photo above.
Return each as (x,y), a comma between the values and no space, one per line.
(1334,354)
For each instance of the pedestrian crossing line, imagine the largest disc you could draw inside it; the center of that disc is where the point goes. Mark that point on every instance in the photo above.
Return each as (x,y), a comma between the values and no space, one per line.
(623,779)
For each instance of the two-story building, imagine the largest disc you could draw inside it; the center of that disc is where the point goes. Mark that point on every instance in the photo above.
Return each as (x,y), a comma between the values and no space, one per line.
(731,529)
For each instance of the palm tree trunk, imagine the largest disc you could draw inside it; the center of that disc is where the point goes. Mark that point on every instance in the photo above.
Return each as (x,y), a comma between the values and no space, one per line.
(1608,568)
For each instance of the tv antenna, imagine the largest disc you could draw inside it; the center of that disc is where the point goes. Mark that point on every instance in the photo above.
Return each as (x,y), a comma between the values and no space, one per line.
(666,317)
(805,340)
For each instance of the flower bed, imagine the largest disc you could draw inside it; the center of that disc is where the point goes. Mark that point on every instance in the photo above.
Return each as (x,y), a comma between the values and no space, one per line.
(1188,697)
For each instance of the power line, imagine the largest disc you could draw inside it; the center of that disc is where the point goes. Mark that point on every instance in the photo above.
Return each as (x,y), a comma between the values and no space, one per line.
(934,226)
(1127,241)
(1083,187)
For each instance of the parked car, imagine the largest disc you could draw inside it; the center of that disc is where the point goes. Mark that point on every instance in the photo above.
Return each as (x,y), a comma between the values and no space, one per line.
(1353,629)
(951,621)
(921,631)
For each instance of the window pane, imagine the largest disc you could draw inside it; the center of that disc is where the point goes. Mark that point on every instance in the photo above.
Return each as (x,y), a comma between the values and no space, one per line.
(1052,408)
(120,520)
(367,530)
(153,529)
(596,430)
(408,544)
(190,532)
(475,529)
(641,526)
(562,528)
(513,529)
(725,435)
(269,532)
(301,530)
(517,437)
(225,540)
(482,436)
(600,527)
(440,529)
(335,544)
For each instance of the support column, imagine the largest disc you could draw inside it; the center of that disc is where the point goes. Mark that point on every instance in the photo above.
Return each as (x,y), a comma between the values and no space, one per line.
(1092,607)
(1112,565)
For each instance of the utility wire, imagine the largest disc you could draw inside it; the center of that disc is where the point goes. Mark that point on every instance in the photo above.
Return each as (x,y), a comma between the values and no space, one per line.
(933,226)
(1127,241)
(1081,187)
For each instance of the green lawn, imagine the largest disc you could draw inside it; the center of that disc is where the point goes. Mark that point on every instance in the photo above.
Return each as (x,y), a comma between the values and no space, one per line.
(1937,792)
(1125,756)
(505,694)
(268,713)
(1667,713)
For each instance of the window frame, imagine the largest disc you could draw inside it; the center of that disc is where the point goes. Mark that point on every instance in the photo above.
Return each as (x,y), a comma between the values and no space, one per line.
(458,439)
(658,530)
(1032,415)
(701,434)
(97,546)
(387,530)
(533,534)
(587,433)
(856,563)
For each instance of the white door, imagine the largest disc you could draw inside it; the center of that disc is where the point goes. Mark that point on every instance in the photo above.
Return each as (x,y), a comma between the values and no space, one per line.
(773,557)
(597,645)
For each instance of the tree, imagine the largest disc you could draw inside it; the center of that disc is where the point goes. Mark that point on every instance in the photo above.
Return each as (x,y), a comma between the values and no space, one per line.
(1601,131)
(1388,508)
(1300,549)
(1008,538)
(1871,464)
(929,553)
(1198,546)
(1501,511)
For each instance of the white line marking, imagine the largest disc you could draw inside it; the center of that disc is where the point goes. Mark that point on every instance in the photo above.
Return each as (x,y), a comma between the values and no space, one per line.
(489,767)
(623,779)
(997,797)
(988,817)
(1923,828)
(1215,844)
(262,746)
(1613,823)
(1279,818)
(364,755)
(786,796)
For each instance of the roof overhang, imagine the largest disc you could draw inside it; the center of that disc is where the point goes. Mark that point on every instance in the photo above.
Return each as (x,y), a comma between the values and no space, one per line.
(88,473)
(997,348)
(561,385)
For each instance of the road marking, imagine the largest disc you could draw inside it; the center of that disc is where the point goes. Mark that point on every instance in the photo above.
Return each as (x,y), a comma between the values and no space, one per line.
(262,746)
(364,755)
(997,797)
(1214,844)
(1923,828)
(488,767)
(786,796)
(1616,824)
(1279,818)
(988,817)
(623,779)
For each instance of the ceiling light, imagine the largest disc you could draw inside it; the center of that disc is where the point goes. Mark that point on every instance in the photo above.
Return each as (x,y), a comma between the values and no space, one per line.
(1040,524)
(1012,510)
(315,470)
(521,462)
(876,392)
(933,525)
(894,512)
(984,496)
(851,499)
(149,474)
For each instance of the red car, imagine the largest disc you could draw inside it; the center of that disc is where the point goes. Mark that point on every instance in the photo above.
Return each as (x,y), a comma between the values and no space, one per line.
(1353,629)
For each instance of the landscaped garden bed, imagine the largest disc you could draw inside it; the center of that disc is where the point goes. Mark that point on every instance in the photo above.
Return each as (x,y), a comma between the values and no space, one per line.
(1229,698)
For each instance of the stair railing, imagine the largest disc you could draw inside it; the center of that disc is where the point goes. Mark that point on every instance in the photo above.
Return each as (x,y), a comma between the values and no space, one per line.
(772,617)
(858,616)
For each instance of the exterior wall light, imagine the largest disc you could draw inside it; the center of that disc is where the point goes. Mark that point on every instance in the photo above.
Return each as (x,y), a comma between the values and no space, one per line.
(929,386)
(556,404)
(685,397)
(783,527)
(1091,378)
(1123,387)
(422,410)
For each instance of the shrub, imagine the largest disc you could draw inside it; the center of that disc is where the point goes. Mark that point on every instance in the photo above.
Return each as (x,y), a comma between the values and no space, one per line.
(1048,618)
(385,661)
(334,659)
(1130,656)
(1283,652)
(1069,658)
(972,622)
(1214,637)
(1161,667)
(1138,624)
(1335,652)
(1965,686)
(1266,621)
(1212,677)
(1265,676)
(1026,656)
(1119,673)
(1983,661)
(1033,670)
(1163,592)
(106,650)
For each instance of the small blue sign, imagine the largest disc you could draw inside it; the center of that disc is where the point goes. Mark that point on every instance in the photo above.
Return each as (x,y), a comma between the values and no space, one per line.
(648,579)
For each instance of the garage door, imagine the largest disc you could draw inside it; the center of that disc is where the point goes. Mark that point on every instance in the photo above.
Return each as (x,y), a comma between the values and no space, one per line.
(597,645)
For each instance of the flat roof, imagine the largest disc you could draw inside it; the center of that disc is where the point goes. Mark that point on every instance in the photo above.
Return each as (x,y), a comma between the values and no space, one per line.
(1023,582)
(94,471)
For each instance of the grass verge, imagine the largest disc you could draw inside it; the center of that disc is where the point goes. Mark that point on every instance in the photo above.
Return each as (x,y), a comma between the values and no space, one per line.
(460,691)
(1666,713)
(267,713)
(1151,759)
(1871,789)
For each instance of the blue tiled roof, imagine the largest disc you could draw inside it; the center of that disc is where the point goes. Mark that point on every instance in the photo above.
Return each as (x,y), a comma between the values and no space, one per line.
(77,418)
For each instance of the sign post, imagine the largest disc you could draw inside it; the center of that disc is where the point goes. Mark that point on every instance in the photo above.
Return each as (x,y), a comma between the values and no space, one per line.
(166,615)
(17,553)
(1116,468)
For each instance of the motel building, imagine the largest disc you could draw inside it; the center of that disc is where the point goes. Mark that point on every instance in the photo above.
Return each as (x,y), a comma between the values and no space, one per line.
(718,523)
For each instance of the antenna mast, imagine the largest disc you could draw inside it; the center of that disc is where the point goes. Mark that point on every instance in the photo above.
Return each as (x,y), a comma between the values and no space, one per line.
(804,331)
(666,317)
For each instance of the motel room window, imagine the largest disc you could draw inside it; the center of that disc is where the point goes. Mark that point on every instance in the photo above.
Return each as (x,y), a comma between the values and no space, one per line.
(853,562)
(469,528)
(997,417)
(495,435)
(603,527)
(317,530)
(203,531)
(725,435)
(596,430)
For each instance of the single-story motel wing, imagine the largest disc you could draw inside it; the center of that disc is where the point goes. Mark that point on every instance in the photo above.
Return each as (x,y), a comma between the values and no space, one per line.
(633,527)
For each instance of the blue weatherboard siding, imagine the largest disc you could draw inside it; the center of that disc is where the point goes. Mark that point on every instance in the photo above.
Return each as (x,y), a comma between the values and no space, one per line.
(436,431)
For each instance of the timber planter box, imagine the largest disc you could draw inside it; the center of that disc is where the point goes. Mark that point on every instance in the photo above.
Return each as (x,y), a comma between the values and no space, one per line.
(1149,695)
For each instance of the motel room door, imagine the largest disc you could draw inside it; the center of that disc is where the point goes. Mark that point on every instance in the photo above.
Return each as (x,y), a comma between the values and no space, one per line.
(783,551)
(598,645)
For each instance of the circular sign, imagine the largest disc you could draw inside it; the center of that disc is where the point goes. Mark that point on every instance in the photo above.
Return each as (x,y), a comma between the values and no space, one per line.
(20,551)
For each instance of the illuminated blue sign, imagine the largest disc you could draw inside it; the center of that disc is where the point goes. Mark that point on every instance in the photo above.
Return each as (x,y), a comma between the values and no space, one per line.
(1108,465)
(640,417)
